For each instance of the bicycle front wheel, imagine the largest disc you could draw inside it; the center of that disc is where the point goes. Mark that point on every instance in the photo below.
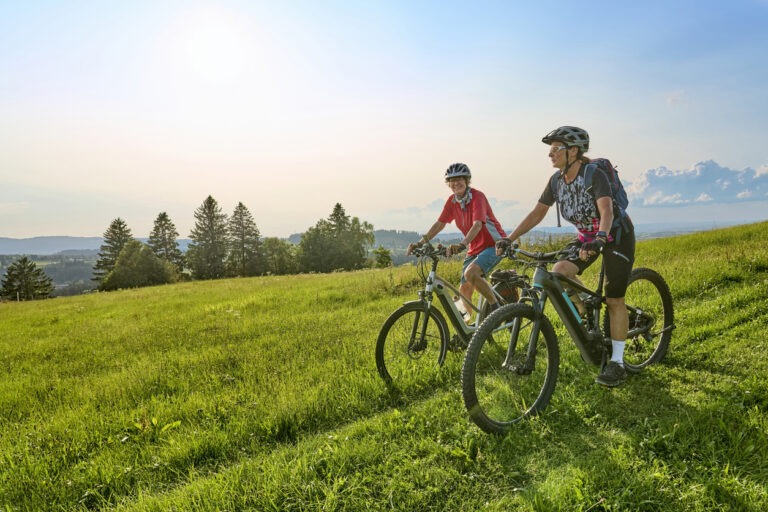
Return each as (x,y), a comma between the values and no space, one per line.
(411,344)
(651,319)
(510,368)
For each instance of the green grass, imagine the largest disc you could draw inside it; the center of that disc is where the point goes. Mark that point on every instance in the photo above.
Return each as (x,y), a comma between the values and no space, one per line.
(262,394)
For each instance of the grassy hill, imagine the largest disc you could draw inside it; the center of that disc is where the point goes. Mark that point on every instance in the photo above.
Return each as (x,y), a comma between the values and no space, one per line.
(262,394)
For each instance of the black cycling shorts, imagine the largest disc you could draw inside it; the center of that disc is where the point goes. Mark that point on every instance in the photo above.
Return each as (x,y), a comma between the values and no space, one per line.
(619,258)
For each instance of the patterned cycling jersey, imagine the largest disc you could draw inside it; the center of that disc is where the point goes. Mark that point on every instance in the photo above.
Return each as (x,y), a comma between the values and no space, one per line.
(577,204)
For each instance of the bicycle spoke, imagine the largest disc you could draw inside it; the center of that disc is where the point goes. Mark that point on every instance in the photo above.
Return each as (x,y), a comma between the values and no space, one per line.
(411,345)
(513,378)
(649,304)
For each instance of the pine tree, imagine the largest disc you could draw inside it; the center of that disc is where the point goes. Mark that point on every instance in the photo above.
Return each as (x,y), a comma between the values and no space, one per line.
(115,238)
(207,252)
(245,256)
(163,241)
(24,280)
(339,220)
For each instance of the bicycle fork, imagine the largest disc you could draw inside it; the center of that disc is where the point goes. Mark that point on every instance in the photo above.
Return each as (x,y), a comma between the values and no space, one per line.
(422,318)
(510,362)
(527,366)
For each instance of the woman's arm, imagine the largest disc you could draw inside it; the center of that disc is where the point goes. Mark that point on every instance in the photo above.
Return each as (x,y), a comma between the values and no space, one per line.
(605,207)
(530,221)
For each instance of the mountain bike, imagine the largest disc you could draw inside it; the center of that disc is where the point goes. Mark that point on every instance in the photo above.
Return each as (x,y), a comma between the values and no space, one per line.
(511,364)
(415,338)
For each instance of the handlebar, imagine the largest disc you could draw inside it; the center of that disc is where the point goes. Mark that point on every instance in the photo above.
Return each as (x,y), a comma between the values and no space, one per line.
(539,257)
(429,250)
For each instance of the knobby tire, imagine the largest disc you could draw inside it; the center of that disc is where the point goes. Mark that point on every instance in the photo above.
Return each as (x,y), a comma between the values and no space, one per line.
(651,320)
(501,387)
(401,353)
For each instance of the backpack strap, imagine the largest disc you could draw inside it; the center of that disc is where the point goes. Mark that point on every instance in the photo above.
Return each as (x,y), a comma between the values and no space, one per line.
(589,172)
(553,186)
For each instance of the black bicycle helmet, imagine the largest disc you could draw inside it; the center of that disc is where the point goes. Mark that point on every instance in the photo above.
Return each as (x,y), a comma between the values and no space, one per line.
(457,170)
(570,136)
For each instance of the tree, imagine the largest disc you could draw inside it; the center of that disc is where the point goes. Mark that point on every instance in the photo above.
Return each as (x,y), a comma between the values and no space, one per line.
(279,256)
(208,250)
(115,238)
(338,243)
(139,266)
(383,257)
(24,280)
(316,250)
(245,256)
(357,240)
(163,241)
(339,219)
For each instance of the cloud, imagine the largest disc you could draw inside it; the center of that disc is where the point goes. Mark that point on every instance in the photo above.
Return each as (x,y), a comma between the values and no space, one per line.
(706,182)
(675,97)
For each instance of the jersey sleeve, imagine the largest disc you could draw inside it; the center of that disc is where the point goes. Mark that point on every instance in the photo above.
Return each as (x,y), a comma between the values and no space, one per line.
(480,209)
(601,187)
(548,196)
(446,216)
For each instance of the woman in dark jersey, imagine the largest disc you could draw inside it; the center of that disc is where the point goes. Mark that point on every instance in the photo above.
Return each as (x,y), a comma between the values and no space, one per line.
(601,230)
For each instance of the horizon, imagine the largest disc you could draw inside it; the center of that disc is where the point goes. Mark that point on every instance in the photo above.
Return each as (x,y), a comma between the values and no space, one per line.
(654,227)
(129,110)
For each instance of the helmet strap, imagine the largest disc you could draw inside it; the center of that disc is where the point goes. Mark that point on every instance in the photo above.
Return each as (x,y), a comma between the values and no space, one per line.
(568,162)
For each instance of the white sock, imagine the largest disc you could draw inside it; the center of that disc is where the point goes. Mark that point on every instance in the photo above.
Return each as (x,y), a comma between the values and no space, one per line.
(618,352)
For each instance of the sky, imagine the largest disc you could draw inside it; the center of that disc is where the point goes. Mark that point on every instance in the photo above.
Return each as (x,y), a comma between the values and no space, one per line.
(128,109)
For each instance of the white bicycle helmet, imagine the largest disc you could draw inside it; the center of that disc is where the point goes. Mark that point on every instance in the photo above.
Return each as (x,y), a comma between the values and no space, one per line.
(570,136)
(457,170)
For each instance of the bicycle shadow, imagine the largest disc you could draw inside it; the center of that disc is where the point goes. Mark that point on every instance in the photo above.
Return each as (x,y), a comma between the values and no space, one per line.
(643,428)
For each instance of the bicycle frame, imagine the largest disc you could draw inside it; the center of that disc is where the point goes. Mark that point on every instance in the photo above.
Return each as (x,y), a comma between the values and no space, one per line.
(445,293)
(436,285)
(553,286)
(550,285)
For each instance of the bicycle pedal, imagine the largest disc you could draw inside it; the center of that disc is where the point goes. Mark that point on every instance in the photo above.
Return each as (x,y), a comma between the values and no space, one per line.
(457,344)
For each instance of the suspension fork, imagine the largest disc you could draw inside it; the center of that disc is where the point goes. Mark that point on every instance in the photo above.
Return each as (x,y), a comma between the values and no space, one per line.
(538,306)
(426,298)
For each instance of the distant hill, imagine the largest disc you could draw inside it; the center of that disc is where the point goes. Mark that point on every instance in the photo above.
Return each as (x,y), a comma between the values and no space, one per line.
(64,245)
(388,238)
(49,244)
(393,239)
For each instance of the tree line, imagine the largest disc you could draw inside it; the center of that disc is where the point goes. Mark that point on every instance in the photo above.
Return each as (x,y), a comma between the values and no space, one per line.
(220,246)
(224,245)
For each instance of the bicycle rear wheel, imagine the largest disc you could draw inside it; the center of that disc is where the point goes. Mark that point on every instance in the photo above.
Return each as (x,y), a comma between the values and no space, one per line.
(411,344)
(510,368)
(651,319)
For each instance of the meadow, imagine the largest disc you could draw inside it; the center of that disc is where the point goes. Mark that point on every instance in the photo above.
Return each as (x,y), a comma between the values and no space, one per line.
(262,394)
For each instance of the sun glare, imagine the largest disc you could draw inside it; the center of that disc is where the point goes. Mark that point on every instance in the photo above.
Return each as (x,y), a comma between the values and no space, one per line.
(212,44)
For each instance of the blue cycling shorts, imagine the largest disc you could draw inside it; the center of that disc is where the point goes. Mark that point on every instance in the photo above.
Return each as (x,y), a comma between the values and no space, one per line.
(485,259)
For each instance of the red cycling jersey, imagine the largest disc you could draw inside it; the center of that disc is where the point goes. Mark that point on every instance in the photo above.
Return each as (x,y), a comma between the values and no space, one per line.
(475,206)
